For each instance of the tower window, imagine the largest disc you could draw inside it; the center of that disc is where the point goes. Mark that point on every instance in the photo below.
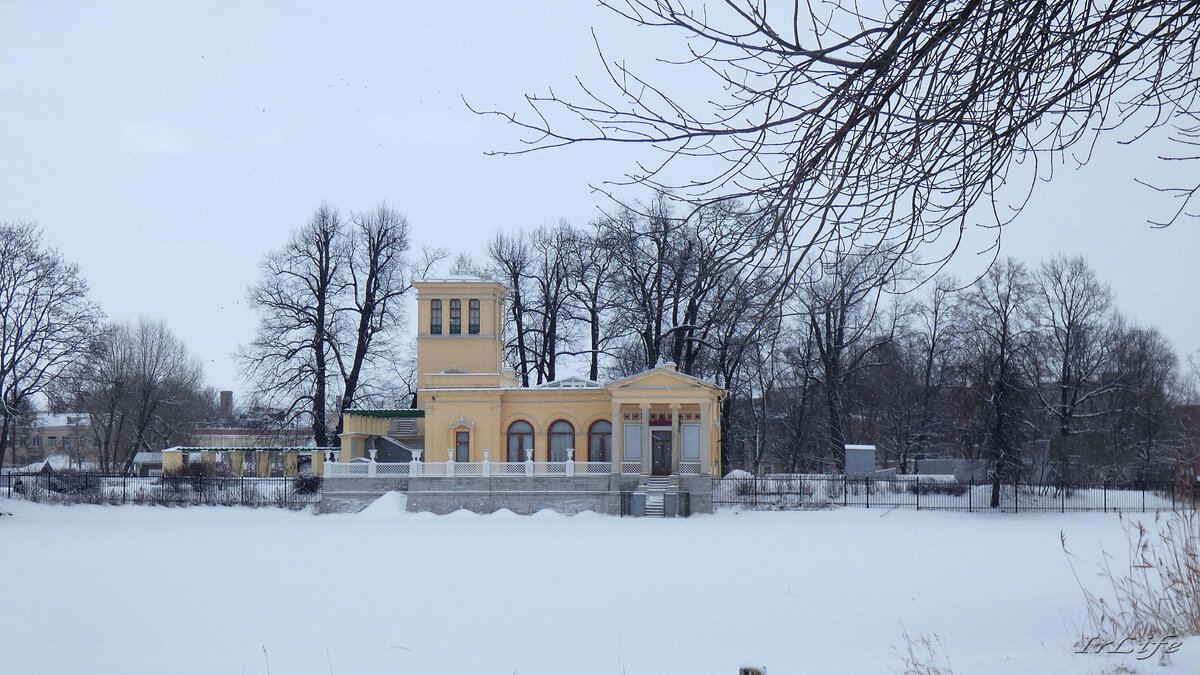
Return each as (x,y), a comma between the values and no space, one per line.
(473,317)
(455,317)
(435,317)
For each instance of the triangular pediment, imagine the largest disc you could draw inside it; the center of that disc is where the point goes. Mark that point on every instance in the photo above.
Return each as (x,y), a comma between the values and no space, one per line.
(661,378)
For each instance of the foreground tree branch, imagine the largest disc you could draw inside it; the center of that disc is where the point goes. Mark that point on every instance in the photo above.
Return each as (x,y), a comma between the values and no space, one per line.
(884,125)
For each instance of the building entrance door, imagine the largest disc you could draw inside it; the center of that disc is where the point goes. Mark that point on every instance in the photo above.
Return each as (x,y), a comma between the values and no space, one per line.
(660,456)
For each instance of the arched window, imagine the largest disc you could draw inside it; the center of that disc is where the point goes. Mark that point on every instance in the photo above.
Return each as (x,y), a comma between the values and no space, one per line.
(455,317)
(600,441)
(520,437)
(562,437)
(435,317)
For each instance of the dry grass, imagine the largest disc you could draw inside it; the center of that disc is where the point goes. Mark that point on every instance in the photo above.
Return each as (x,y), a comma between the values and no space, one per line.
(922,655)
(1159,593)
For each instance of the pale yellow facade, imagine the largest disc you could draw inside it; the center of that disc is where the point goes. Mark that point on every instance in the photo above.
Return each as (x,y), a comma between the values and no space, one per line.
(470,407)
(220,461)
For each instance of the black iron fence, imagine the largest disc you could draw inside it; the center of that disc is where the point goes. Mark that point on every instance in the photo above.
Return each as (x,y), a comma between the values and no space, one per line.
(789,492)
(91,488)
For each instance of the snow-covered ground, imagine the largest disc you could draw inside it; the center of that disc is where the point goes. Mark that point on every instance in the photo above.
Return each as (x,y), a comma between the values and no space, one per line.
(133,589)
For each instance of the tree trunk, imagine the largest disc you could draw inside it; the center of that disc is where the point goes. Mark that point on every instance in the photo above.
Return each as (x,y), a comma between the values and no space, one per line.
(4,428)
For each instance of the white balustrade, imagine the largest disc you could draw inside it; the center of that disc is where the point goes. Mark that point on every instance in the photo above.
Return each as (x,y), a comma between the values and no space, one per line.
(392,469)
(488,468)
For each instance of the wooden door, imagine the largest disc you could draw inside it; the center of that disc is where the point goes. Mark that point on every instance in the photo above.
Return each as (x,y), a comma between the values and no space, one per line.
(660,458)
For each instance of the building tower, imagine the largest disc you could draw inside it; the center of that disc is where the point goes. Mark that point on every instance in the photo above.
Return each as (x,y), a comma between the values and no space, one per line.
(460,333)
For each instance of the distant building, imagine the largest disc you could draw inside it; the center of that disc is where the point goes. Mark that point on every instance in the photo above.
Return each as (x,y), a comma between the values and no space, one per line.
(242,437)
(50,434)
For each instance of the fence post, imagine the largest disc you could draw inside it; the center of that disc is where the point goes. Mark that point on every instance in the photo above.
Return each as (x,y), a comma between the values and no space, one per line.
(1104,493)
(1143,496)
(845,489)
(486,467)
(1062,499)
(970,494)
(918,488)
(867,490)
(122,488)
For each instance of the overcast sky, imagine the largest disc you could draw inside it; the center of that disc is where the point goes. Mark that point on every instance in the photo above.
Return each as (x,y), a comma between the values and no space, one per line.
(165,146)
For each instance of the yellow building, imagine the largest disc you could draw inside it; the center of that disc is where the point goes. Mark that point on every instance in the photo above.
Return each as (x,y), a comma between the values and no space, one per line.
(474,419)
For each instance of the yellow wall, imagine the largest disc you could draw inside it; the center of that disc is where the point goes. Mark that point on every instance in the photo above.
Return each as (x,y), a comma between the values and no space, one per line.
(461,388)
(172,462)
(462,353)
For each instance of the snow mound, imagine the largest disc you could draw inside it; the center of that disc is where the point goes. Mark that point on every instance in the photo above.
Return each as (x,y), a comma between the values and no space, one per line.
(738,474)
(388,507)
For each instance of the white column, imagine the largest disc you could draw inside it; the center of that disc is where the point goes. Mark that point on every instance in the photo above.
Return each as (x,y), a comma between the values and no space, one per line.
(675,450)
(615,442)
(647,452)
(487,465)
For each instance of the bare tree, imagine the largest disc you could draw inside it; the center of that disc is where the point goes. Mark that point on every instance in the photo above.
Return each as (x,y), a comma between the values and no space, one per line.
(142,389)
(841,299)
(591,273)
(372,311)
(46,320)
(513,259)
(464,265)
(296,298)
(996,316)
(1143,425)
(1074,313)
(549,305)
(329,305)
(935,343)
(888,122)
(669,274)
(798,399)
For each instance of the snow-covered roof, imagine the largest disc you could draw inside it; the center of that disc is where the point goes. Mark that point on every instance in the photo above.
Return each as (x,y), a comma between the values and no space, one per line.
(56,462)
(67,419)
(571,383)
(459,278)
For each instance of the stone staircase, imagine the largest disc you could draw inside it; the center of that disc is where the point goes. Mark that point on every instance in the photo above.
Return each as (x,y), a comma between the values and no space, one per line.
(656,490)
